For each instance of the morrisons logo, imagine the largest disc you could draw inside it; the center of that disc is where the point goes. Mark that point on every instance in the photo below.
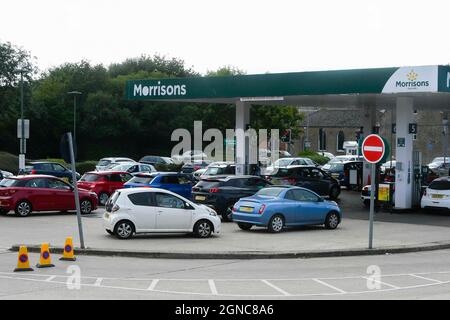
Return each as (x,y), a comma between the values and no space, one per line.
(159,90)
(412,81)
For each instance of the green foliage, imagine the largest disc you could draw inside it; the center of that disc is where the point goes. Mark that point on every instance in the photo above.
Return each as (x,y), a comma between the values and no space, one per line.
(314,156)
(9,162)
(168,167)
(85,166)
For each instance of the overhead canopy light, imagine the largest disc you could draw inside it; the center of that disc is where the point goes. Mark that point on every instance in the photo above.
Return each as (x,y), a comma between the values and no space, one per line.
(259,99)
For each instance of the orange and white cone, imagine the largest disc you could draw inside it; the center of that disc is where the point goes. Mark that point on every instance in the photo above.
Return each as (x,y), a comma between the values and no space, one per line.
(45,260)
(23,263)
(68,253)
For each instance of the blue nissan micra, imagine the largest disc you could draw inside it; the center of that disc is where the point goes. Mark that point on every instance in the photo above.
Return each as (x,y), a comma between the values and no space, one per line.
(280,206)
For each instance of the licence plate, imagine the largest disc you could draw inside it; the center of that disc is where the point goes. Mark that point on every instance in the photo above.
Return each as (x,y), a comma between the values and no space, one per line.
(246,209)
(335,175)
(437,196)
(200,198)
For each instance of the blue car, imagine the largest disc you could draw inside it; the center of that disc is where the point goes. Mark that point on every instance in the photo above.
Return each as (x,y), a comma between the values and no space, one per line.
(284,206)
(178,183)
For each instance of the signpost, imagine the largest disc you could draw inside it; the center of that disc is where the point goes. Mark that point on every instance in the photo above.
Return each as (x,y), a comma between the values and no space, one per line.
(373,150)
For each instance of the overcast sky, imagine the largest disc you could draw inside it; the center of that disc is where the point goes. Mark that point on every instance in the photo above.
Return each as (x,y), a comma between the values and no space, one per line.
(255,36)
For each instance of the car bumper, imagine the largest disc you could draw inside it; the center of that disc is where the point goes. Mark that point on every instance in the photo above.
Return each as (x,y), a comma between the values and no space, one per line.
(109,221)
(217,224)
(251,218)
(435,203)
(6,203)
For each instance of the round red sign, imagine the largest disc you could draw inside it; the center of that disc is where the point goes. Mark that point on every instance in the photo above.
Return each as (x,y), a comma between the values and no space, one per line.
(373,148)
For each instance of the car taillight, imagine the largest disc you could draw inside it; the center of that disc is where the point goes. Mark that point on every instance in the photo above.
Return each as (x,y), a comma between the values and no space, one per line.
(33,171)
(291,181)
(214,190)
(115,208)
(196,168)
(234,209)
(425,192)
(261,210)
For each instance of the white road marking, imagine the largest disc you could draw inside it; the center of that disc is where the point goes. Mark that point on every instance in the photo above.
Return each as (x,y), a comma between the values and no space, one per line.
(50,278)
(98,282)
(153,284)
(284,293)
(329,286)
(382,283)
(212,287)
(425,278)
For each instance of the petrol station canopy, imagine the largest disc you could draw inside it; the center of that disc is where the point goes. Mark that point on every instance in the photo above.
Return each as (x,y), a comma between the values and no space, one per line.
(428,85)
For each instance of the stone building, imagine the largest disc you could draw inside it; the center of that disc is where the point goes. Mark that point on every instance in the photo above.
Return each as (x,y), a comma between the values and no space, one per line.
(327,129)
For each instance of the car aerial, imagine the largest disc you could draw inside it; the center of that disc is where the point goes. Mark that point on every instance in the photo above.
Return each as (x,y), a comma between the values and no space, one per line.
(178,183)
(341,159)
(437,195)
(341,171)
(308,177)
(132,168)
(191,167)
(286,162)
(105,162)
(26,194)
(222,192)
(5,174)
(143,210)
(156,160)
(218,169)
(103,183)
(278,207)
(50,168)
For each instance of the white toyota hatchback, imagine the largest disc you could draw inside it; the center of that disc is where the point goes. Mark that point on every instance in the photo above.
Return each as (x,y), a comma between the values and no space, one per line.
(151,210)
(437,194)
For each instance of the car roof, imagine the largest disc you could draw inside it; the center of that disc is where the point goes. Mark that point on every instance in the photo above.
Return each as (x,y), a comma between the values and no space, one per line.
(144,189)
(300,166)
(104,173)
(33,176)
(43,162)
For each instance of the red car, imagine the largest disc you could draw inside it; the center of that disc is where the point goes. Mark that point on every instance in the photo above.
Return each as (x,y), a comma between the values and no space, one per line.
(103,183)
(25,194)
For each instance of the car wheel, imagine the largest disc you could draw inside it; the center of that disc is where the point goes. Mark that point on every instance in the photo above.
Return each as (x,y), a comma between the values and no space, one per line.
(23,208)
(245,226)
(366,203)
(334,193)
(203,229)
(86,206)
(332,221)
(3,212)
(227,216)
(276,224)
(103,198)
(124,230)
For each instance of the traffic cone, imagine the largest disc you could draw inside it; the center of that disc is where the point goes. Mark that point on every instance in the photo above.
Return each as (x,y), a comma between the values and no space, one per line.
(23,264)
(45,260)
(68,254)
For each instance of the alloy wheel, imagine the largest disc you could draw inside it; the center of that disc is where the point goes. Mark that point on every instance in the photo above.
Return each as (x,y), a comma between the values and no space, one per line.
(86,207)
(204,229)
(124,230)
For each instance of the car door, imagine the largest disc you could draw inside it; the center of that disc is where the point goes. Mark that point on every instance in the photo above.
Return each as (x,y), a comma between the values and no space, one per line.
(291,208)
(317,181)
(144,211)
(37,192)
(185,185)
(172,214)
(311,208)
(62,195)
(60,172)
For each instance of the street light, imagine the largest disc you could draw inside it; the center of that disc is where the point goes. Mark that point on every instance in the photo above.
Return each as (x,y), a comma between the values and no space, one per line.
(75,94)
(22,134)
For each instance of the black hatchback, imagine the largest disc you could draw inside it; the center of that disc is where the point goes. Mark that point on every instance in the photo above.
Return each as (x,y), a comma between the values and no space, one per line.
(222,192)
(308,177)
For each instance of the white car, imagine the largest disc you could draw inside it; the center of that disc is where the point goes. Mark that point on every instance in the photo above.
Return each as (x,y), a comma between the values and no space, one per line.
(189,156)
(437,194)
(143,210)
(105,162)
(132,167)
(340,159)
(286,162)
(5,174)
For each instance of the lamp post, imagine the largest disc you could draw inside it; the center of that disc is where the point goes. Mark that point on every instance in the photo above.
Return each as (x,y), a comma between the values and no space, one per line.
(21,134)
(75,94)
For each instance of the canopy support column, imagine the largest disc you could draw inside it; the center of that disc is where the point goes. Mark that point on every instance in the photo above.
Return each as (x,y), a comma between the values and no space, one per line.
(242,145)
(404,154)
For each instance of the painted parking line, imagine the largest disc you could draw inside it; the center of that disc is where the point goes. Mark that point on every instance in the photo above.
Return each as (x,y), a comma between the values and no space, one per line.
(382,283)
(98,282)
(153,284)
(425,278)
(284,293)
(329,286)
(212,286)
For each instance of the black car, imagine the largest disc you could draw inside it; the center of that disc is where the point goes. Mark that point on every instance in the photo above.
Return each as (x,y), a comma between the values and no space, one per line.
(308,177)
(194,166)
(153,160)
(50,168)
(222,192)
(342,171)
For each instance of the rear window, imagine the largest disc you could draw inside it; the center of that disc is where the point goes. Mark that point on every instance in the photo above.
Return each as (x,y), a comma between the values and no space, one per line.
(282,172)
(214,171)
(90,177)
(270,192)
(440,185)
(336,167)
(141,179)
(112,201)
(104,162)
(208,184)
(5,183)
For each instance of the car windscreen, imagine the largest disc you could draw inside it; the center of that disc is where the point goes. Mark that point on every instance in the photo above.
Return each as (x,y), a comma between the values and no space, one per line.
(5,183)
(440,185)
(141,179)
(282,172)
(336,167)
(282,163)
(213,171)
(104,163)
(90,177)
(270,192)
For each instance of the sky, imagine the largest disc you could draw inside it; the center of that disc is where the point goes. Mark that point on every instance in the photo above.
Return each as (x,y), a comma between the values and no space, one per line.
(254,36)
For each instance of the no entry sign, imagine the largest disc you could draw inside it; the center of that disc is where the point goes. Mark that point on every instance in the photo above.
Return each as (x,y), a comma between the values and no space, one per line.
(373,148)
